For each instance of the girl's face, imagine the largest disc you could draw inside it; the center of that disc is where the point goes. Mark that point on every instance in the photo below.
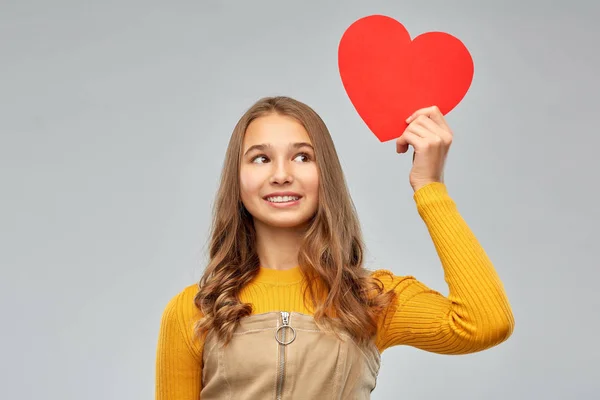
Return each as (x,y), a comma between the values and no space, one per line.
(279,179)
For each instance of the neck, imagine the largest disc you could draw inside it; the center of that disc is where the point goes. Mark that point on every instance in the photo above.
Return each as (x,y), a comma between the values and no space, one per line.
(278,248)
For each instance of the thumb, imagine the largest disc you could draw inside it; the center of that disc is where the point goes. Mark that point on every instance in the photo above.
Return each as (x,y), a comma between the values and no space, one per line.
(401,144)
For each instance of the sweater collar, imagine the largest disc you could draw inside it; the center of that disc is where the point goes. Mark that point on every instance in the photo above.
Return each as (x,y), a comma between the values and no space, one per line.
(286,276)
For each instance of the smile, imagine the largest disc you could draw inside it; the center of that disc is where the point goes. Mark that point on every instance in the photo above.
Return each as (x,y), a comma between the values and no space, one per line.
(282,199)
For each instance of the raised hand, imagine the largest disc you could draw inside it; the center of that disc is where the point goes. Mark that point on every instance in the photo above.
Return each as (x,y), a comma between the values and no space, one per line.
(429,135)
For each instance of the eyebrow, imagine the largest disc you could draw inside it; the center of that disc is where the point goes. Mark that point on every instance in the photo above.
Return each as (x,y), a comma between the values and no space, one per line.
(263,147)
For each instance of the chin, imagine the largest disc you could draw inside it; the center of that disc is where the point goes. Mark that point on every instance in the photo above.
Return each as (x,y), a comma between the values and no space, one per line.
(285,223)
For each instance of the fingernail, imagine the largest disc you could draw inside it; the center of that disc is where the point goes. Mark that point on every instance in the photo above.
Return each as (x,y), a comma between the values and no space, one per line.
(408,119)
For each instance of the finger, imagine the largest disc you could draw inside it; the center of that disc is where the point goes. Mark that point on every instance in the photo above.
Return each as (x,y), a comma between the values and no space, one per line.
(433,127)
(401,144)
(423,132)
(409,138)
(436,115)
(432,112)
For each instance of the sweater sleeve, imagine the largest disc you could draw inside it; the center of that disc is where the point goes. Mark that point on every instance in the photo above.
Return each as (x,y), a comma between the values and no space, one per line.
(475,315)
(178,357)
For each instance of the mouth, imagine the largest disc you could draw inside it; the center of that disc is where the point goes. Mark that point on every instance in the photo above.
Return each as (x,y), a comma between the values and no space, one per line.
(282,200)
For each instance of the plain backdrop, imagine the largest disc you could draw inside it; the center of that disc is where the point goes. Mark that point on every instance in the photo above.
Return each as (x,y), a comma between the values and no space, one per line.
(114,119)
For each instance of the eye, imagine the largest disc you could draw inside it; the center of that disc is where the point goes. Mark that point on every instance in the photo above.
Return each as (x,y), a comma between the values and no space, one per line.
(305,155)
(258,157)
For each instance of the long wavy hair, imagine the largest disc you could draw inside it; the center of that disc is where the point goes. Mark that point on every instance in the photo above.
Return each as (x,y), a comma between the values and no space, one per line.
(331,252)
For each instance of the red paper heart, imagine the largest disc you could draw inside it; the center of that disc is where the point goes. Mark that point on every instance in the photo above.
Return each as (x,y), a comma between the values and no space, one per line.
(388,77)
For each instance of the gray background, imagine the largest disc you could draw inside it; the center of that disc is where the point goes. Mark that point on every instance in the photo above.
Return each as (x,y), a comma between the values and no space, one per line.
(114,121)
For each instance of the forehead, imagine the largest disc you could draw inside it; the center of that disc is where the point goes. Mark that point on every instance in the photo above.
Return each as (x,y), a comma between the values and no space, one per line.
(276,130)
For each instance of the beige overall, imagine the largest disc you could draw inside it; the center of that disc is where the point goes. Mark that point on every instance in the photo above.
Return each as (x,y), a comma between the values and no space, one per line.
(279,355)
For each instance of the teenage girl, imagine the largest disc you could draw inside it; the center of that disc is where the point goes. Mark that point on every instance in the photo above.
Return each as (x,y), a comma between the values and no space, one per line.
(285,308)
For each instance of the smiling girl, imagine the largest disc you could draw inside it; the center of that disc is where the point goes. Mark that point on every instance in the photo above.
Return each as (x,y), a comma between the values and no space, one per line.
(285,308)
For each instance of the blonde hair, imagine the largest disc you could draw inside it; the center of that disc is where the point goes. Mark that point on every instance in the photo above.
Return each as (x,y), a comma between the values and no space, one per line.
(331,253)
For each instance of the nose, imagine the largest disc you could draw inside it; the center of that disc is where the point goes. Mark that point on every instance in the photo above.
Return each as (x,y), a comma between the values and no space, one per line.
(281,173)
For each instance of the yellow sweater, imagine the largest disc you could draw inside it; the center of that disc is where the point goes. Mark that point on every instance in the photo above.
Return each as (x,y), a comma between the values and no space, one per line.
(475,316)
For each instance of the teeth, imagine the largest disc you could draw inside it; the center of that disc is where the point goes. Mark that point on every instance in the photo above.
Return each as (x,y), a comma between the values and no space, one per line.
(282,199)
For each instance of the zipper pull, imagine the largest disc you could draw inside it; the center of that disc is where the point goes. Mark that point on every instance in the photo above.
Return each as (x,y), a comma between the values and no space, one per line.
(285,320)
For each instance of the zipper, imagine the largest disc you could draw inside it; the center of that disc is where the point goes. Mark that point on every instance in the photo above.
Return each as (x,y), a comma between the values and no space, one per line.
(283,341)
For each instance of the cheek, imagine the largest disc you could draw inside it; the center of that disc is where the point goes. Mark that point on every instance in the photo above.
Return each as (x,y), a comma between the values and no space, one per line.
(310,179)
(249,182)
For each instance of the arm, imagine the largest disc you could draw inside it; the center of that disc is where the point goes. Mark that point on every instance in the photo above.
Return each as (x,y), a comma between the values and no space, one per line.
(475,316)
(178,360)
